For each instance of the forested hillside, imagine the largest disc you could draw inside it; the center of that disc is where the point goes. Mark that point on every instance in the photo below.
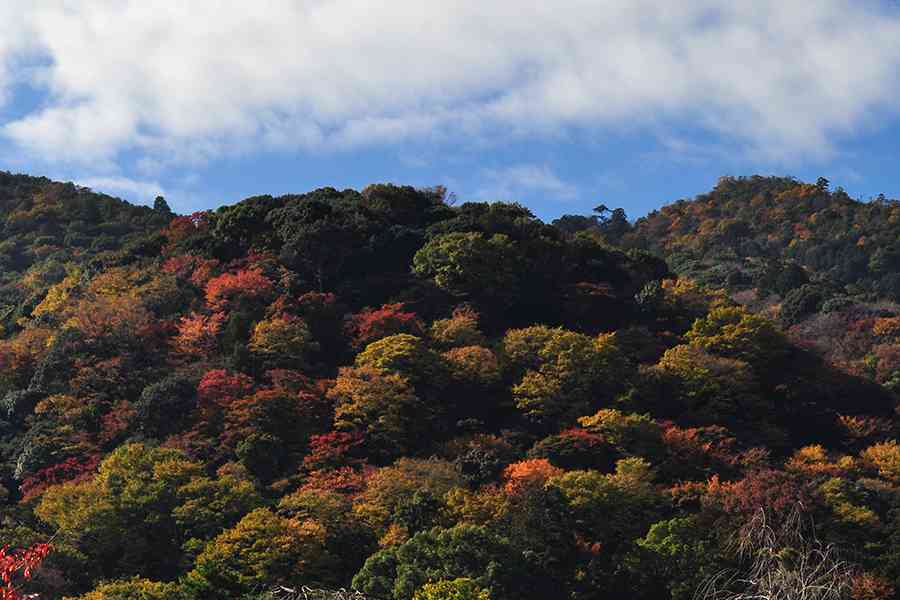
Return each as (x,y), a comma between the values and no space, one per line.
(424,401)
(823,265)
(48,227)
(746,228)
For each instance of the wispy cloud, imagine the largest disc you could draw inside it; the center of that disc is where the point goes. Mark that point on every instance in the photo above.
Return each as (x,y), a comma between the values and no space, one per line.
(518,182)
(182,195)
(139,192)
(186,82)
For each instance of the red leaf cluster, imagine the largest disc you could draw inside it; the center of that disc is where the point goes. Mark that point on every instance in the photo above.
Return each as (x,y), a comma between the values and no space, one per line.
(19,564)
(373,324)
(221,388)
(332,449)
(250,284)
(70,470)
(183,227)
(344,480)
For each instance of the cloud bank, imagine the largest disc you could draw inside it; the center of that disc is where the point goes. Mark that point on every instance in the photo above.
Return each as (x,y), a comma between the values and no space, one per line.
(183,82)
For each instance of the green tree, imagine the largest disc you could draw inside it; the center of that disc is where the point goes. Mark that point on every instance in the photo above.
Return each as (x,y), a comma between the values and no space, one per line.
(135,490)
(612,509)
(682,553)
(456,589)
(282,339)
(320,235)
(134,589)
(474,366)
(160,205)
(262,549)
(389,488)
(207,506)
(407,355)
(712,389)
(800,303)
(473,265)
(381,404)
(463,551)
(262,454)
(629,433)
(164,405)
(566,374)
(734,332)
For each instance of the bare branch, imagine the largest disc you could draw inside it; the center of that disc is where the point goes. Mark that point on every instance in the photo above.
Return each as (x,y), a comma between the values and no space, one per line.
(308,593)
(782,562)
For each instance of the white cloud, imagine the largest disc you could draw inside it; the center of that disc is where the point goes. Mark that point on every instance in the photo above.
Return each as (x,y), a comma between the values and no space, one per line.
(182,195)
(13,38)
(139,192)
(183,82)
(524,180)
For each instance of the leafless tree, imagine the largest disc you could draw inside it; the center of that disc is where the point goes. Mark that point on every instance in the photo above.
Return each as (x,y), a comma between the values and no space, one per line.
(307,593)
(782,562)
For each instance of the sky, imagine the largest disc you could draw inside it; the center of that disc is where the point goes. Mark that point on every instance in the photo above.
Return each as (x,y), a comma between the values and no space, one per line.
(560,105)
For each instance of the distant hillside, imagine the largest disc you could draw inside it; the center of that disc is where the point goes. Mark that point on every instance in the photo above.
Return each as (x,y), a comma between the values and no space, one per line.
(756,231)
(825,266)
(40,218)
(45,225)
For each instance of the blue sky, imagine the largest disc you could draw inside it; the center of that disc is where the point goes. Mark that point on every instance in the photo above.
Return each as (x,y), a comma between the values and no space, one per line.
(560,105)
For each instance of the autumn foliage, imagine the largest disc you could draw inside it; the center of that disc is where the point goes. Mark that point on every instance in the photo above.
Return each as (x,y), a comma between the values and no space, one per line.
(382,392)
(19,565)
(245,285)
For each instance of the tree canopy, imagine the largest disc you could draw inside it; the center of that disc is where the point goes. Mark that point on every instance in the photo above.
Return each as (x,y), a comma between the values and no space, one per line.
(379,391)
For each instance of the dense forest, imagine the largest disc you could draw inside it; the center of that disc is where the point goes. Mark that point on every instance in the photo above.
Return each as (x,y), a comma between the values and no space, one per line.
(824,266)
(384,391)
